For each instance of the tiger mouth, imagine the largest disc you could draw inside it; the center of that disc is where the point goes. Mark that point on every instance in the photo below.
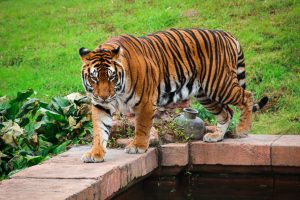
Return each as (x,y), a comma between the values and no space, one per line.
(106,101)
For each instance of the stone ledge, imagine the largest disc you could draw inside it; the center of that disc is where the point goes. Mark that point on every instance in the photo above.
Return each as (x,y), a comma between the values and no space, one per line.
(45,189)
(174,154)
(286,151)
(252,150)
(66,177)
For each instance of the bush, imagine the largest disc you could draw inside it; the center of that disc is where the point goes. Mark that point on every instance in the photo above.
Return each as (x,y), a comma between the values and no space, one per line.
(31,130)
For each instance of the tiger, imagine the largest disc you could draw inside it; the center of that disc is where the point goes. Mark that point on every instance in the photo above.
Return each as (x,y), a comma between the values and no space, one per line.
(140,74)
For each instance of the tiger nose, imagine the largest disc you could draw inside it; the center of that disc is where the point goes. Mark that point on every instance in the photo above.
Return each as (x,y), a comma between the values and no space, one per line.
(104,98)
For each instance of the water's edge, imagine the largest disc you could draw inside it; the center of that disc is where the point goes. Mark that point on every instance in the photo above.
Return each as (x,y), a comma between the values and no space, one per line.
(215,186)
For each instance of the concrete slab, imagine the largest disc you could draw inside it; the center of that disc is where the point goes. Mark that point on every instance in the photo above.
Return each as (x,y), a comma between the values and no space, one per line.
(286,151)
(45,189)
(252,150)
(66,177)
(175,154)
(66,171)
(69,165)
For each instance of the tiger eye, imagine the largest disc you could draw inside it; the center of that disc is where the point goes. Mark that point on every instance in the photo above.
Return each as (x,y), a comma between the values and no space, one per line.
(94,73)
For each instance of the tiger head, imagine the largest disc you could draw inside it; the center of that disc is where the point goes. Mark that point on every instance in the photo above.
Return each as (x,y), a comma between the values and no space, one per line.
(101,73)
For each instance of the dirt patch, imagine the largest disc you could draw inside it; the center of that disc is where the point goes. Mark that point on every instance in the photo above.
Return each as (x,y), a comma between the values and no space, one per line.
(190,13)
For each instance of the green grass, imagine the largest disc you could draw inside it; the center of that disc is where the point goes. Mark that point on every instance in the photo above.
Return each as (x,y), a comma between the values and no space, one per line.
(40,41)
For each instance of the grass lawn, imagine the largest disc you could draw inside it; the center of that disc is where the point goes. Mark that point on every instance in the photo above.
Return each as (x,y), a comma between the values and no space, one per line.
(40,41)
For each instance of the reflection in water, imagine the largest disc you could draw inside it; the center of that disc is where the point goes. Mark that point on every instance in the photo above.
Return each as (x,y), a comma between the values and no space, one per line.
(215,187)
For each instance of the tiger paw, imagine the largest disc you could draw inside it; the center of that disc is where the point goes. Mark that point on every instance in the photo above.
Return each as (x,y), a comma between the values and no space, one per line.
(213,137)
(240,135)
(96,155)
(135,149)
(241,132)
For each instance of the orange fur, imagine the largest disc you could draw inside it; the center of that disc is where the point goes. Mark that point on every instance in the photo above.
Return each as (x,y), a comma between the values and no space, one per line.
(139,74)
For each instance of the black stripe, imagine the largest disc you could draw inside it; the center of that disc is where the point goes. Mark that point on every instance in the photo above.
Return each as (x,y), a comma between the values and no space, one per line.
(241,75)
(211,56)
(132,92)
(220,73)
(107,126)
(213,76)
(107,111)
(204,65)
(107,132)
(141,97)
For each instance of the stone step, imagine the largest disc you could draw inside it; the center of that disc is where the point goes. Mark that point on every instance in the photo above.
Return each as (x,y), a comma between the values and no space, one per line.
(254,150)
(66,177)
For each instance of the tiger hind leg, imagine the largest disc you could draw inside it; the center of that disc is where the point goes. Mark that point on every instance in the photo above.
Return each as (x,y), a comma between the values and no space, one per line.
(244,101)
(223,115)
(245,105)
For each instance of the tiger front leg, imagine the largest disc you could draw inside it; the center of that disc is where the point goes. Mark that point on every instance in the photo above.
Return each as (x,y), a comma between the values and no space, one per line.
(102,122)
(143,124)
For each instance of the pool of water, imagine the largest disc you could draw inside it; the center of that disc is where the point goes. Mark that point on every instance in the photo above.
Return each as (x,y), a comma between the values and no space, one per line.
(215,187)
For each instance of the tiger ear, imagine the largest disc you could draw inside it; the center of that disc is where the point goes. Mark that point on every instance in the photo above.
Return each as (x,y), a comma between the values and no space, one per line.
(115,52)
(83,52)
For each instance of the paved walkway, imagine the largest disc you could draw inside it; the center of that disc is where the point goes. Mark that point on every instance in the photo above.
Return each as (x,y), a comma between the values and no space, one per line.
(66,177)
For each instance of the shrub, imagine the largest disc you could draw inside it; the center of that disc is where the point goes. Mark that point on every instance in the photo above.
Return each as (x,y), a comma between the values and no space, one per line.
(31,130)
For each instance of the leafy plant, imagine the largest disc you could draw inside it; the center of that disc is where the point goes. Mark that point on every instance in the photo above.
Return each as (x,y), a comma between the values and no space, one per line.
(130,131)
(31,130)
(112,142)
(203,113)
(179,133)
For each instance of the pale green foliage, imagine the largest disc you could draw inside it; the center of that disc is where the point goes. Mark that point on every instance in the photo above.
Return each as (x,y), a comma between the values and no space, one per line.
(31,130)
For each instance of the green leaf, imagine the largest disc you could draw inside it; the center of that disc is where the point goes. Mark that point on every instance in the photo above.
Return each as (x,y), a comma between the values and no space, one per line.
(25,145)
(23,121)
(58,103)
(31,105)
(18,162)
(23,153)
(12,111)
(3,167)
(21,96)
(61,135)
(62,147)
(2,155)
(33,160)
(38,125)
(48,130)
(70,110)
(15,171)
(29,129)
(14,105)
(44,105)
(52,115)
(44,146)
(55,116)
(88,125)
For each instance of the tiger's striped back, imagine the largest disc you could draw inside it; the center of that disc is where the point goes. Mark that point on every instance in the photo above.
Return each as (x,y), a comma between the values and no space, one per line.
(186,61)
(140,73)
